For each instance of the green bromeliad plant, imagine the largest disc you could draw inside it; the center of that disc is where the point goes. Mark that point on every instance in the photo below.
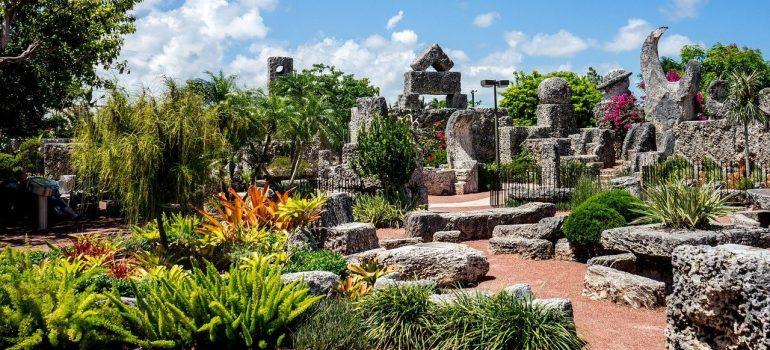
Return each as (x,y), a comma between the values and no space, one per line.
(676,205)
(250,307)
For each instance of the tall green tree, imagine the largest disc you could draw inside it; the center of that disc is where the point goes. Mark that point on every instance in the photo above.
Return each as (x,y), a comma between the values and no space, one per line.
(521,98)
(340,91)
(743,106)
(150,151)
(50,50)
(720,62)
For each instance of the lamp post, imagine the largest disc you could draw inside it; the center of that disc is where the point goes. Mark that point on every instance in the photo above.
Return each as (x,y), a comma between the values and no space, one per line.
(473,98)
(494,84)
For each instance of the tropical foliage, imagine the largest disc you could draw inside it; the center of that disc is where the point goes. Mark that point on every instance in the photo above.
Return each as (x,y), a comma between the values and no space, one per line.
(386,150)
(521,98)
(150,151)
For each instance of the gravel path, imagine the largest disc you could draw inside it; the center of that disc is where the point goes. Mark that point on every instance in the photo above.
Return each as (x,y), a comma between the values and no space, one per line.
(606,326)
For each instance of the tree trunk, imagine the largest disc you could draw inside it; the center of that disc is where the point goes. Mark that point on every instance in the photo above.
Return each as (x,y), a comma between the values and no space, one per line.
(295,161)
(746,149)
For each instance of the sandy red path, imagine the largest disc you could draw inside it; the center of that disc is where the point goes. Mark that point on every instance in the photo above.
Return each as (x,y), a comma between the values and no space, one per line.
(606,326)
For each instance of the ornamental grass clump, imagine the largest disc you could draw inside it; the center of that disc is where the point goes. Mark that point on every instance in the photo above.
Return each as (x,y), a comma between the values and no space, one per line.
(397,318)
(676,205)
(502,321)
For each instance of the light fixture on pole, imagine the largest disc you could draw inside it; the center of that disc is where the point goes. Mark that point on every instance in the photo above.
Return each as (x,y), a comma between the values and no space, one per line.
(494,84)
(473,98)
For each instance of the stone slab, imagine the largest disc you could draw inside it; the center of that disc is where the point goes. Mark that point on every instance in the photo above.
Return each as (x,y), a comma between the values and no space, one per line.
(475,224)
(448,264)
(538,249)
(605,283)
(432,83)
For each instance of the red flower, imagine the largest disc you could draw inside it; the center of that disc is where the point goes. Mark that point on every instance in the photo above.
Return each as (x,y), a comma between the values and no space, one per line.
(673,76)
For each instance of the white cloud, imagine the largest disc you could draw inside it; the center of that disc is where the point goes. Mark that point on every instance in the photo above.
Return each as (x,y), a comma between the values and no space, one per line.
(486,19)
(514,38)
(681,9)
(375,41)
(183,42)
(629,37)
(562,43)
(672,45)
(632,35)
(394,20)
(405,36)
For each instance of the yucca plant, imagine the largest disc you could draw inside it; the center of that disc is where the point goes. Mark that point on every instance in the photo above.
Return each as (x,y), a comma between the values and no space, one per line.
(502,321)
(676,205)
(249,308)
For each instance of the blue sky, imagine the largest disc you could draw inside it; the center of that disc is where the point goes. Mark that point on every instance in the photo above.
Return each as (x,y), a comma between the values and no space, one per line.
(378,39)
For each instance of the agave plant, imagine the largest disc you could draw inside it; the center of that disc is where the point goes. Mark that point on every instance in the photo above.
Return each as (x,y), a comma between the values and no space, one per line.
(676,205)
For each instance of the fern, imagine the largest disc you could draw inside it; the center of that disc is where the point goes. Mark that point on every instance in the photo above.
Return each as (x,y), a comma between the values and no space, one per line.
(43,306)
(249,308)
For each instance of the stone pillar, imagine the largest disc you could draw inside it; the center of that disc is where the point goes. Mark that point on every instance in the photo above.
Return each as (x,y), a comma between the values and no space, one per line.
(278,67)
(555,108)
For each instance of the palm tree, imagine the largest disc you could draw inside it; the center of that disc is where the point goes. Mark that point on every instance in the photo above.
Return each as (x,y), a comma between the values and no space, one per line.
(743,106)
(214,89)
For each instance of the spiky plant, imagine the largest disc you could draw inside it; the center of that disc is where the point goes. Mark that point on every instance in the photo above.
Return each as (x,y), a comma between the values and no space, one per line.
(676,205)
(249,308)
(743,106)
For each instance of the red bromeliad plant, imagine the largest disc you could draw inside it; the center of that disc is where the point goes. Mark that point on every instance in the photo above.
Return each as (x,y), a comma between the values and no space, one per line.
(256,214)
(95,250)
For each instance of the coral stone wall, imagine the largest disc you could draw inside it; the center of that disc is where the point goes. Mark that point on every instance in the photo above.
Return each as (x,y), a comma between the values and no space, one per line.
(721,141)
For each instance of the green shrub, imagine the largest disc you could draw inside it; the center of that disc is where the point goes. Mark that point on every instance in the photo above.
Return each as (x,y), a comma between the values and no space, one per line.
(42,307)
(334,325)
(677,205)
(585,224)
(7,165)
(623,202)
(383,210)
(319,260)
(502,321)
(397,318)
(250,308)
(386,150)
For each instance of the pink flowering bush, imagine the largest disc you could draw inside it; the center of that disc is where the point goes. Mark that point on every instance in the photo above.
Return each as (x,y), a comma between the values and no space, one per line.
(621,112)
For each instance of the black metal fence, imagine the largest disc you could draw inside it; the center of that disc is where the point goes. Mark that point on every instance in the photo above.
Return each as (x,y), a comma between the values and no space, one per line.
(724,175)
(513,186)
(311,185)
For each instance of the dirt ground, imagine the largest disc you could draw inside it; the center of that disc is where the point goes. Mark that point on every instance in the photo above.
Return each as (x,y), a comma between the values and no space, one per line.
(606,326)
